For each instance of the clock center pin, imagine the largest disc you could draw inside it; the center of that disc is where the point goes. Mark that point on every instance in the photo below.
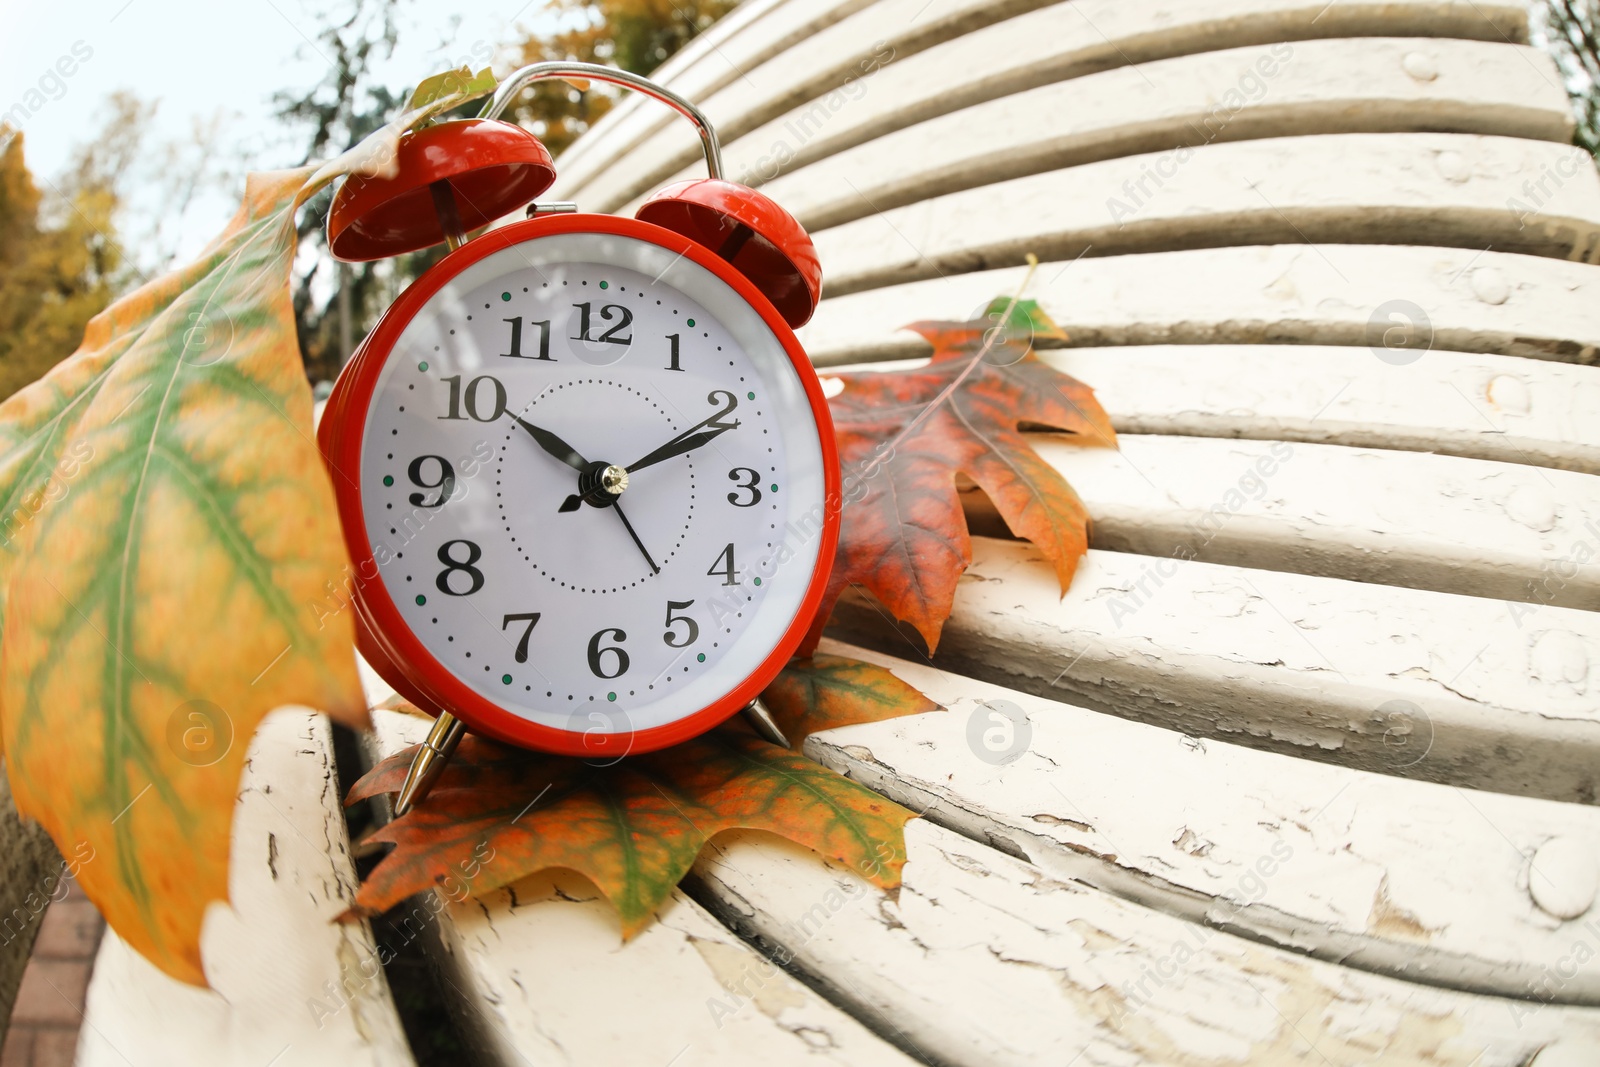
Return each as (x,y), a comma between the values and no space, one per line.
(614,480)
(599,485)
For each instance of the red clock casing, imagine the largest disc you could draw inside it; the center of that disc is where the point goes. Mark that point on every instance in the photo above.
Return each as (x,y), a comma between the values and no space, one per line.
(382,636)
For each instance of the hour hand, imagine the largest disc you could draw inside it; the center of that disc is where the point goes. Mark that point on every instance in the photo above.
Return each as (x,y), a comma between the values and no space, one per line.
(554,445)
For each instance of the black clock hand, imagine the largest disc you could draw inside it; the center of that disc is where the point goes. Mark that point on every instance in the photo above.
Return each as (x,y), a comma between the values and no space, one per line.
(677,447)
(554,445)
(642,550)
(700,433)
(565,453)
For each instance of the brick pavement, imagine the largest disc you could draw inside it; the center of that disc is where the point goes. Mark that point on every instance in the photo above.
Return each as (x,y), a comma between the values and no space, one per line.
(49,1009)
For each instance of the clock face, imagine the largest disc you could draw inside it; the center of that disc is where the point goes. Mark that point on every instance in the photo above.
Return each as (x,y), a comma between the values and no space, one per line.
(592,481)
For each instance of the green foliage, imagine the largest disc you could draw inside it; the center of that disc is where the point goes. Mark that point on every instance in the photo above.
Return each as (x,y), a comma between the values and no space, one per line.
(1572,36)
(338,113)
(346,106)
(636,35)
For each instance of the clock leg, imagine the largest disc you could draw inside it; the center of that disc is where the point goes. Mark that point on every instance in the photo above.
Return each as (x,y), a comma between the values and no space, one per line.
(429,762)
(760,720)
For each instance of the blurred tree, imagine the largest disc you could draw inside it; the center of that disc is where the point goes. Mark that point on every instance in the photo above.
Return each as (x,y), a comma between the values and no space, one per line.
(1572,36)
(60,258)
(335,302)
(195,171)
(636,35)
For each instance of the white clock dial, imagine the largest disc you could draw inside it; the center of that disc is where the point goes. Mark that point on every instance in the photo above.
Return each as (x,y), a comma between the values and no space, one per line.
(501,403)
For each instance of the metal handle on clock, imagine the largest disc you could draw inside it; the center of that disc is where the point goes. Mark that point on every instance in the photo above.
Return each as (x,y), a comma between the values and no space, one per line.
(521,79)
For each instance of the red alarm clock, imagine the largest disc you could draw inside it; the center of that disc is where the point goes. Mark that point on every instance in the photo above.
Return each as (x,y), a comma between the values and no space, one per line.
(584,457)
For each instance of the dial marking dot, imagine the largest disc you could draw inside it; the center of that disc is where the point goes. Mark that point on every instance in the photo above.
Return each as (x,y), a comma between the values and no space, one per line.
(610,696)
(423,365)
(421,599)
(701,657)
(388,479)
(691,322)
(505,679)
(752,396)
(505,296)
(603,285)
(758,581)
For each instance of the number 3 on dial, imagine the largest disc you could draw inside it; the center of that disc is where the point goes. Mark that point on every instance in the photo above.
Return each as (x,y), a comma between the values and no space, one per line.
(752,482)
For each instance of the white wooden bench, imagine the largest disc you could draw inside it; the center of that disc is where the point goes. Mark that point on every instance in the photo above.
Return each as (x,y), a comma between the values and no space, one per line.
(1324,794)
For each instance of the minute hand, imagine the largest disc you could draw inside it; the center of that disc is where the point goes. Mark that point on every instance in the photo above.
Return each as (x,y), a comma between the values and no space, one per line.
(690,439)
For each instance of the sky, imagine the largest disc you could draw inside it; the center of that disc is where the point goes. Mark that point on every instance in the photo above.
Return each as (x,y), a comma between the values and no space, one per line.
(199,57)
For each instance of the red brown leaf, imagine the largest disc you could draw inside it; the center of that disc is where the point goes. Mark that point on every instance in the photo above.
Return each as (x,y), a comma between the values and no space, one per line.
(904,536)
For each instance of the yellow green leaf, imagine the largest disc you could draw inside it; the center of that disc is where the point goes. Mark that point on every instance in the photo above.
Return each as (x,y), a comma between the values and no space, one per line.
(168,541)
(172,529)
(458,86)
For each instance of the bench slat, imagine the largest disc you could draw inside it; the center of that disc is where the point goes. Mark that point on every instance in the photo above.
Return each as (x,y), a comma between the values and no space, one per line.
(1289,663)
(1471,301)
(845,48)
(1010,55)
(1278,90)
(1482,406)
(1412,519)
(1500,408)
(288,981)
(1411,879)
(984,959)
(1423,189)
(746,37)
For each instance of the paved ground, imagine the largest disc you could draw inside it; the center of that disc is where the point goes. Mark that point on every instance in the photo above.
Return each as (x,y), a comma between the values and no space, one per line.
(49,1010)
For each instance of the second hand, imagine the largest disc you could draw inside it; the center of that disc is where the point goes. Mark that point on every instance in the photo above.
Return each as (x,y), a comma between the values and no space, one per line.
(617,507)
